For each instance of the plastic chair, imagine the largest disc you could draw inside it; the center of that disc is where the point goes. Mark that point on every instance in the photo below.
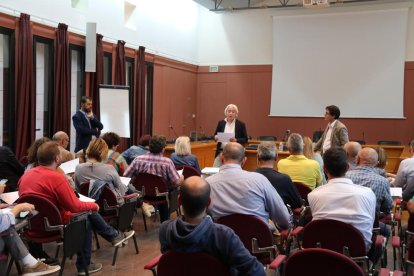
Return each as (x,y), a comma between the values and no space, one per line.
(154,191)
(187,264)
(48,226)
(321,262)
(267,138)
(254,234)
(303,190)
(188,171)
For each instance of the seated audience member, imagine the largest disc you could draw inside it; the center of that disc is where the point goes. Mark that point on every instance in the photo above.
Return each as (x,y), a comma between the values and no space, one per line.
(266,156)
(155,163)
(32,152)
(382,163)
(94,169)
(10,168)
(297,166)
(195,231)
(134,151)
(340,199)
(10,240)
(44,181)
(365,174)
(352,149)
(114,159)
(236,191)
(62,139)
(182,155)
(310,154)
(405,175)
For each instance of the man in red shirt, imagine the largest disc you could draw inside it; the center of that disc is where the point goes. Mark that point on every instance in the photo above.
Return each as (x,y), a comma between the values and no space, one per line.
(44,181)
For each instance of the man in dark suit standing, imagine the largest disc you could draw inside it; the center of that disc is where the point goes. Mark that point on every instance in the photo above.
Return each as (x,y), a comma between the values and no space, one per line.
(86,124)
(230,125)
(335,134)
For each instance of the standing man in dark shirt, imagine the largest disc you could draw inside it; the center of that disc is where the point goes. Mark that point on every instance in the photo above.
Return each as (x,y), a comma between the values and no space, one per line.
(10,168)
(86,124)
(266,156)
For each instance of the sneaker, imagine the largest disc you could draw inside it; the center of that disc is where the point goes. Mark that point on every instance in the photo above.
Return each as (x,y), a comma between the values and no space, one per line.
(129,234)
(118,239)
(50,261)
(146,209)
(39,269)
(92,268)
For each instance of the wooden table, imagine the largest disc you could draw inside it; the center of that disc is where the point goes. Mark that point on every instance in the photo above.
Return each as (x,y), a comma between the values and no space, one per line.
(394,156)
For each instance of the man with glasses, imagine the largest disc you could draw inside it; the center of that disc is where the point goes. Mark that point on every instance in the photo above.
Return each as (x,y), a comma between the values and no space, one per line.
(62,139)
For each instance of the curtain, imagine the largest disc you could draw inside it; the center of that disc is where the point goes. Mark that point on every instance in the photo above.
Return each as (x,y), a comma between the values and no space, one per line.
(25,87)
(97,77)
(138,99)
(61,101)
(120,77)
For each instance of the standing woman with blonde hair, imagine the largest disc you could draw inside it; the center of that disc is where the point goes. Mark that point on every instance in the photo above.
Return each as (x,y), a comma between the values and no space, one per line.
(182,155)
(310,154)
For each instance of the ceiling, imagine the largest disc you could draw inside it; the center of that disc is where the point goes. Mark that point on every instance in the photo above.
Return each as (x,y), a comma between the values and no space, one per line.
(234,5)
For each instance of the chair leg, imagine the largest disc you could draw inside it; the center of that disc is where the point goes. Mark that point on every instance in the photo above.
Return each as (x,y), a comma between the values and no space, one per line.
(57,251)
(135,244)
(115,253)
(9,266)
(145,222)
(62,265)
(96,240)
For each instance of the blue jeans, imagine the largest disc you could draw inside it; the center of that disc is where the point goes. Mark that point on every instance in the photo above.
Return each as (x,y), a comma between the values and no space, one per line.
(97,223)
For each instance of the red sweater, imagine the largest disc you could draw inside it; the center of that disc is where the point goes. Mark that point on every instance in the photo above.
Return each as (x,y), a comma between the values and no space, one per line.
(55,187)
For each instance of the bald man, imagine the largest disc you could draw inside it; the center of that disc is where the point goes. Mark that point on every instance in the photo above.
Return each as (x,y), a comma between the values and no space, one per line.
(352,149)
(366,175)
(195,231)
(62,139)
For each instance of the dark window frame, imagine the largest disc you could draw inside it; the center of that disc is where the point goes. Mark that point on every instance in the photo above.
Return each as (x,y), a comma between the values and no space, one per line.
(107,72)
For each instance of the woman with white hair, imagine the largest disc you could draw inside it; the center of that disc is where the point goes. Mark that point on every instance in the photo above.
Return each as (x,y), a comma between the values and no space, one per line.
(182,155)
(230,125)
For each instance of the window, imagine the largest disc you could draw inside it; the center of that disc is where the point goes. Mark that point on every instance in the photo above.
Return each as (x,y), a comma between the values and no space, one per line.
(148,95)
(107,68)
(7,87)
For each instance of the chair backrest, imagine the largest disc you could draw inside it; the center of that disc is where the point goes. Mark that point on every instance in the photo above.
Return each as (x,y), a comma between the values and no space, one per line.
(126,213)
(389,143)
(47,210)
(266,138)
(317,135)
(189,264)
(248,227)
(84,188)
(188,171)
(334,235)
(303,190)
(74,236)
(321,262)
(146,183)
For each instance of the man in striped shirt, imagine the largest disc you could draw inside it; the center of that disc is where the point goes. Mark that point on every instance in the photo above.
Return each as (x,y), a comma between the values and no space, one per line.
(155,163)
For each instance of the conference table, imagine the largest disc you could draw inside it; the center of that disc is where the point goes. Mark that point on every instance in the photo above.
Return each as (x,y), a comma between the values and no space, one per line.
(205,150)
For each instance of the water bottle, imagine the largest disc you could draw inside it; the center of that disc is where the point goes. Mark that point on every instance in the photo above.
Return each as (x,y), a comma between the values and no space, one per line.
(281,146)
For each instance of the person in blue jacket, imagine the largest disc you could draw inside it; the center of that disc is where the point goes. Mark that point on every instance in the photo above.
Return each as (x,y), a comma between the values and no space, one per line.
(195,231)
(86,124)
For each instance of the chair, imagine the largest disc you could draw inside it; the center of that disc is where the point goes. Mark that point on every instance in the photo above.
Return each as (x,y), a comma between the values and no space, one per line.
(317,135)
(188,171)
(340,237)
(254,234)
(252,146)
(154,191)
(266,138)
(321,262)
(187,264)
(303,190)
(389,143)
(48,226)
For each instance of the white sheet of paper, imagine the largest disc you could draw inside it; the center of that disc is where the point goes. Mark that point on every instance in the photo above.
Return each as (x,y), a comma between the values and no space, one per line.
(85,198)
(224,137)
(396,191)
(180,172)
(125,180)
(9,198)
(70,166)
(210,170)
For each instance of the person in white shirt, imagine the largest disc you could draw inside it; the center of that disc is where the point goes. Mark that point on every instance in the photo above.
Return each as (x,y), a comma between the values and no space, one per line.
(405,175)
(340,199)
(335,134)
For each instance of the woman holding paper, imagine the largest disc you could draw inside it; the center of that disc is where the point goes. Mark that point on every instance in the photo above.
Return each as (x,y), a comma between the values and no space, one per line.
(229,125)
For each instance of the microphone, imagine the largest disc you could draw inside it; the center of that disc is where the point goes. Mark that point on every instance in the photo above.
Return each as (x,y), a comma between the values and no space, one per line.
(286,136)
(363,136)
(175,133)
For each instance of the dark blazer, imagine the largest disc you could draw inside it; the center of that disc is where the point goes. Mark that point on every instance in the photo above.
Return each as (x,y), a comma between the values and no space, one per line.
(84,132)
(240,133)
(10,168)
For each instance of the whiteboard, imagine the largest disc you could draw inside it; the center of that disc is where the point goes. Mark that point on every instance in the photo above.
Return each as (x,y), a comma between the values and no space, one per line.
(354,60)
(114,108)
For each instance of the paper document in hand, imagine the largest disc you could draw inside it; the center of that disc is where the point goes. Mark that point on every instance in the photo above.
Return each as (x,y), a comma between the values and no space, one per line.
(224,137)
(180,172)
(85,198)
(396,191)
(125,180)
(70,166)
(9,198)
(210,170)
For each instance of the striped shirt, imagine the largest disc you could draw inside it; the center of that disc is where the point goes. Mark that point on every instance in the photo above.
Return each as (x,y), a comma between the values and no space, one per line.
(154,164)
(116,160)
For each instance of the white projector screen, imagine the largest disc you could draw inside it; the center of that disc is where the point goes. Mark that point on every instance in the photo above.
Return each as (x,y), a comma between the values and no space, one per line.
(354,60)
(114,108)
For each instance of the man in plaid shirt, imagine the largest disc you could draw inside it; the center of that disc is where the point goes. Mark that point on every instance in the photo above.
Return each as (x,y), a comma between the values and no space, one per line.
(155,163)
